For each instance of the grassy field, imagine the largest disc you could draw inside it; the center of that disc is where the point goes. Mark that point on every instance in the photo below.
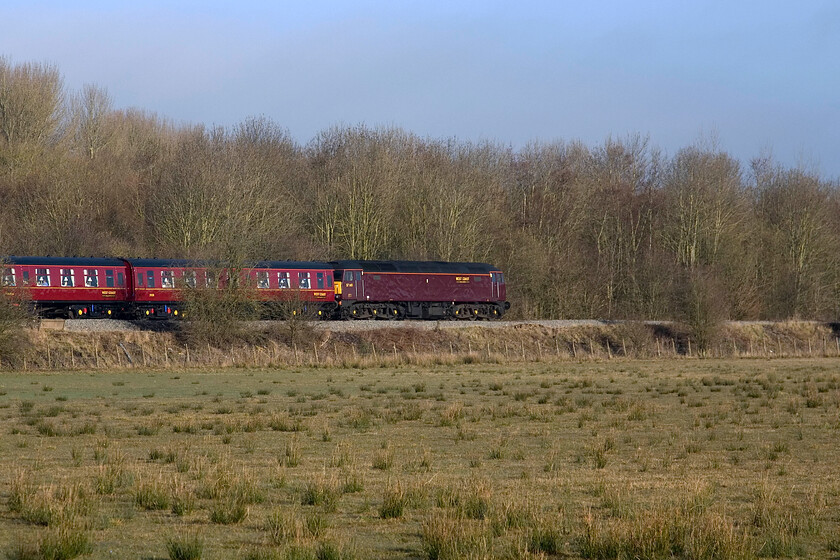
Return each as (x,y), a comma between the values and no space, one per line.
(677,458)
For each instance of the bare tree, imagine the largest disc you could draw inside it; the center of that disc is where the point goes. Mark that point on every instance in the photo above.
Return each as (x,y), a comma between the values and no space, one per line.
(91,122)
(31,113)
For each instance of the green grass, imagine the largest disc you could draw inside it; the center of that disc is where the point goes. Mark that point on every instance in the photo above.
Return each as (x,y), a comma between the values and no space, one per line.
(707,459)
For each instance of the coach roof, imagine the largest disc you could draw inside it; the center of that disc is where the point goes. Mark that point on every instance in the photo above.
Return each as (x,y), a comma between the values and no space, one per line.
(63,261)
(187,263)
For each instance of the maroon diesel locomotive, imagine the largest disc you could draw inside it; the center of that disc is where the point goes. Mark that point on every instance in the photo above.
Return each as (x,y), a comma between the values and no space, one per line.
(347,289)
(419,290)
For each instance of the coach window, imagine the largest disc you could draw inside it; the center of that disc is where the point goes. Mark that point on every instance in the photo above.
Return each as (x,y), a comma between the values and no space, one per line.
(67,277)
(109,278)
(166,279)
(91,278)
(209,279)
(150,279)
(303,280)
(320,280)
(8,276)
(139,279)
(329,280)
(283,279)
(42,278)
(189,278)
(262,279)
(25,275)
(120,280)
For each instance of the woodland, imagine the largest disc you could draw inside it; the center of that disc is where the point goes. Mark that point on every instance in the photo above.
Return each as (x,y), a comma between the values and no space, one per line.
(619,230)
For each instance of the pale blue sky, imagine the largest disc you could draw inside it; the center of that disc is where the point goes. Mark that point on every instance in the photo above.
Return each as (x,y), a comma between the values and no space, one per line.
(759,75)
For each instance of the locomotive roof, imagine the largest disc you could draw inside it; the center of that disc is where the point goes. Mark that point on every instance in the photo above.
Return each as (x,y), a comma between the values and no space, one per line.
(418,266)
(63,261)
(186,263)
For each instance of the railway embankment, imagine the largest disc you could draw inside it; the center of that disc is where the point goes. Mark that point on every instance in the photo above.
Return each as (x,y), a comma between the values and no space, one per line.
(90,344)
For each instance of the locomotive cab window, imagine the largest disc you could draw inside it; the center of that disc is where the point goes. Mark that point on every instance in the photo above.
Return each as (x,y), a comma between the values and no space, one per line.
(262,279)
(42,278)
(348,276)
(167,280)
(150,279)
(109,278)
(303,280)
(283,279)
(67,277)
(9,277)
(91,278)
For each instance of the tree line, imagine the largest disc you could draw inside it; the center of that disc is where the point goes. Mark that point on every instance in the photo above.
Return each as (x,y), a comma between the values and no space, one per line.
(617,230)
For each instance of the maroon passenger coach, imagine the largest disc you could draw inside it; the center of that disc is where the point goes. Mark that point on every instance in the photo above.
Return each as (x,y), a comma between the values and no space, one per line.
(419,290)
(69,286)
(279,286)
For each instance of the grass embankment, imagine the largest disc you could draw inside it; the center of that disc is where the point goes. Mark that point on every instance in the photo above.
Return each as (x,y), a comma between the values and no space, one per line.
(274,347)
(609,459)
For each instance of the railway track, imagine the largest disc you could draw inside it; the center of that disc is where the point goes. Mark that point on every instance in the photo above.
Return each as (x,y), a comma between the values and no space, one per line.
(113,325)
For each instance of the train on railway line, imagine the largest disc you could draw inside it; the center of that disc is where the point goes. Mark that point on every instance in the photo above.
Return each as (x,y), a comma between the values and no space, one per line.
(78,287)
